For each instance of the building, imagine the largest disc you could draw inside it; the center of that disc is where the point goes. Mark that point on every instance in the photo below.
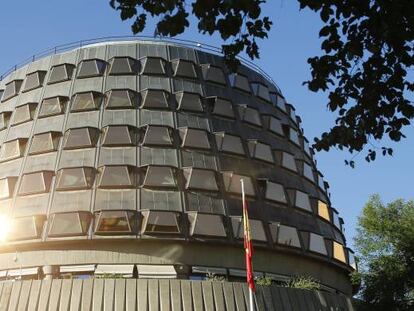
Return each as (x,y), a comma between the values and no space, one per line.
(123,159)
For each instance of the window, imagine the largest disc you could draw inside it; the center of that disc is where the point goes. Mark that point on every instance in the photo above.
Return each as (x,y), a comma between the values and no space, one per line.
(278,101)
(292,113)
(61,73)
(119,135)
(321,183)
(12,89)
(288,161)
(209,225)
(213,74)
(302,201)
(351,259)
(294,136)
(256,229)
(273,191)
(206,202)
(323,210)
(13,149)
(27,228)
(250,115)
(317,244)
(7,187)
(160,222)
(34,80)
(161,199)
(156,135)
(115,222)
(86,101)
(200,179)
(75,178)
(117,176)
(154,99)
(1,94)
(274,125)
(24,113)
(123,66)
(183,68)
(232,183)
(261,91)
(221,107)
(69,224)
(336,221)
(83,137)
(189,101)
(308,172)
(306,147)
(4,119)
(260,151)
(194,138)
(53,106)
(152,66)
(91,68)
(286,235)
(121,99)
(159,177)
(45,142)
(34,183)
(339,252)
(229,143)
(240,82)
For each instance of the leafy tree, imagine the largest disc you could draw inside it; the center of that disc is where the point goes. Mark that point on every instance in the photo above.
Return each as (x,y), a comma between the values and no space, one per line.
(367,52)
(385,243)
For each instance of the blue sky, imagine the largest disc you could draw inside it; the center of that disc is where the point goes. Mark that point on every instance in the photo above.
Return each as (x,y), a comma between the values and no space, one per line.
(32,26)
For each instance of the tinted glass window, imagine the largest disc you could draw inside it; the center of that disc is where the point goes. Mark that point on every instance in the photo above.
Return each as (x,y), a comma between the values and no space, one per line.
(288,236)
(240,82)
(250,115)
(61,73)
(323,210)
(155,222)
(12,89)
(45,142)
(75,178)
(157,135)
(229,143)
(52,106)
(260,151)
(194,138)
(84,137)
(34,80)
(152,66)
(294,136)
(116,176)
(37,182)
(275,192)
(256,229)
(205,202)
(7,187)
(308,172)
(69,224)
(339,252)
(86,101)
(274,125)
(4,119)
(232,183)
(159,176)
(261,91)
(115,222)
(26,228)
(206,225)
(222,107)
(288,161)
(213,74)
(121,99)
(183,68)
(302,201)
(119,135)
(200,179)
(24,113)
(317,244)
(13,149)
(91,68)
(189,101)
(154,99)
(123,66)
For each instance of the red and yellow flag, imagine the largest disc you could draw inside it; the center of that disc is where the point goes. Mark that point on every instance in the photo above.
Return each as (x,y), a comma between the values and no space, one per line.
(248,247)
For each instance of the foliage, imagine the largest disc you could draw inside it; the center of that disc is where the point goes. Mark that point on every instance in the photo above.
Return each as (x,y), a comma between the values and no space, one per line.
(303,282)
(385,243)
(263,281)
(215,277)
(109,276)
(237,21)
(367,48)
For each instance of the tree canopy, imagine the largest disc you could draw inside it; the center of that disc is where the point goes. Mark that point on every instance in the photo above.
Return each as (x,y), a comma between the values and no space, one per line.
(385,245)
(367,53)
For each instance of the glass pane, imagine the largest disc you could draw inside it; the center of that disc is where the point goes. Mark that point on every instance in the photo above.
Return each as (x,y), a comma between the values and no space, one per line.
(288,161)
(117,135)
(34,80)
(115,222)
(229,143)
(275,126)
(233,185)
(250,115)
(67,224)
(223,107)
(7,187)
(23,114)
(12,89)
(42,143)
(52,106)
(240,82)
(122,66)
(12,149)
(189,101)
(193,138)
(288,236)
(275,192)
(294,136)
(302,201)
(26,228)
(339,252)
(91,68)
(184,68)
(115,176)
(4,119)
(157,135)
(202,202)
(159,176)
(161,222)
(154,99)
(317,244)
(200,179)
(260,151)
(61,73)
(308,172)
(120,99)
(207,225)
(213,74)
(79,138)
(336,221)
(323,210)
(74,178)
(35,183)
(85,101)
(152,65)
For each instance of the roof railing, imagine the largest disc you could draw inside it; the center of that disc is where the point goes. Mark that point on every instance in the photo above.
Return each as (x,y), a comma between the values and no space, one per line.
(82,43)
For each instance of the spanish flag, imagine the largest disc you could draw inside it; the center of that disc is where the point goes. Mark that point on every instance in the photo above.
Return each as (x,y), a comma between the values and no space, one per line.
(248,247)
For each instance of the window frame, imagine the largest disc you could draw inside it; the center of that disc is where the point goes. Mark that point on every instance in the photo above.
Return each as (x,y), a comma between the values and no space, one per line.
(182,96)
(40,76)
(146,214)
(186,132)
(131,216)
(96,99)
(22,145)
(131,175)
(188,175)
(62,103)
(99,72)
(175,64)
(132,63)
(69,70)
(46,177)
(132,135)
(213,104)
(30,108)
(145,131)
(132,96)
(93,137)
(151,93)
(83,232)
(145,172)
(88,181)
(143,64)
(223,135)
(17,86)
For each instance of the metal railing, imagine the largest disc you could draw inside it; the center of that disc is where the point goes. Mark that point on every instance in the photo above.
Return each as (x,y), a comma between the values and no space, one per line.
(79,44)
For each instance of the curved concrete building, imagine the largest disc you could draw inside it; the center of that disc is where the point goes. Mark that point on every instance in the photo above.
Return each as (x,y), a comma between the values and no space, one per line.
(123,160)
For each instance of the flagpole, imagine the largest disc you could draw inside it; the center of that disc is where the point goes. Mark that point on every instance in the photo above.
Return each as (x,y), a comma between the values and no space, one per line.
(250,289)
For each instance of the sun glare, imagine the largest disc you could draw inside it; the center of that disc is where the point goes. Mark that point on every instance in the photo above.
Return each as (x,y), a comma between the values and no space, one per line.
(5,227)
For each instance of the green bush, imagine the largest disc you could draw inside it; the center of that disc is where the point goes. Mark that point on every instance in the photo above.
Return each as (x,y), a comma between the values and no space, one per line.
(263,281)
(302,282)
